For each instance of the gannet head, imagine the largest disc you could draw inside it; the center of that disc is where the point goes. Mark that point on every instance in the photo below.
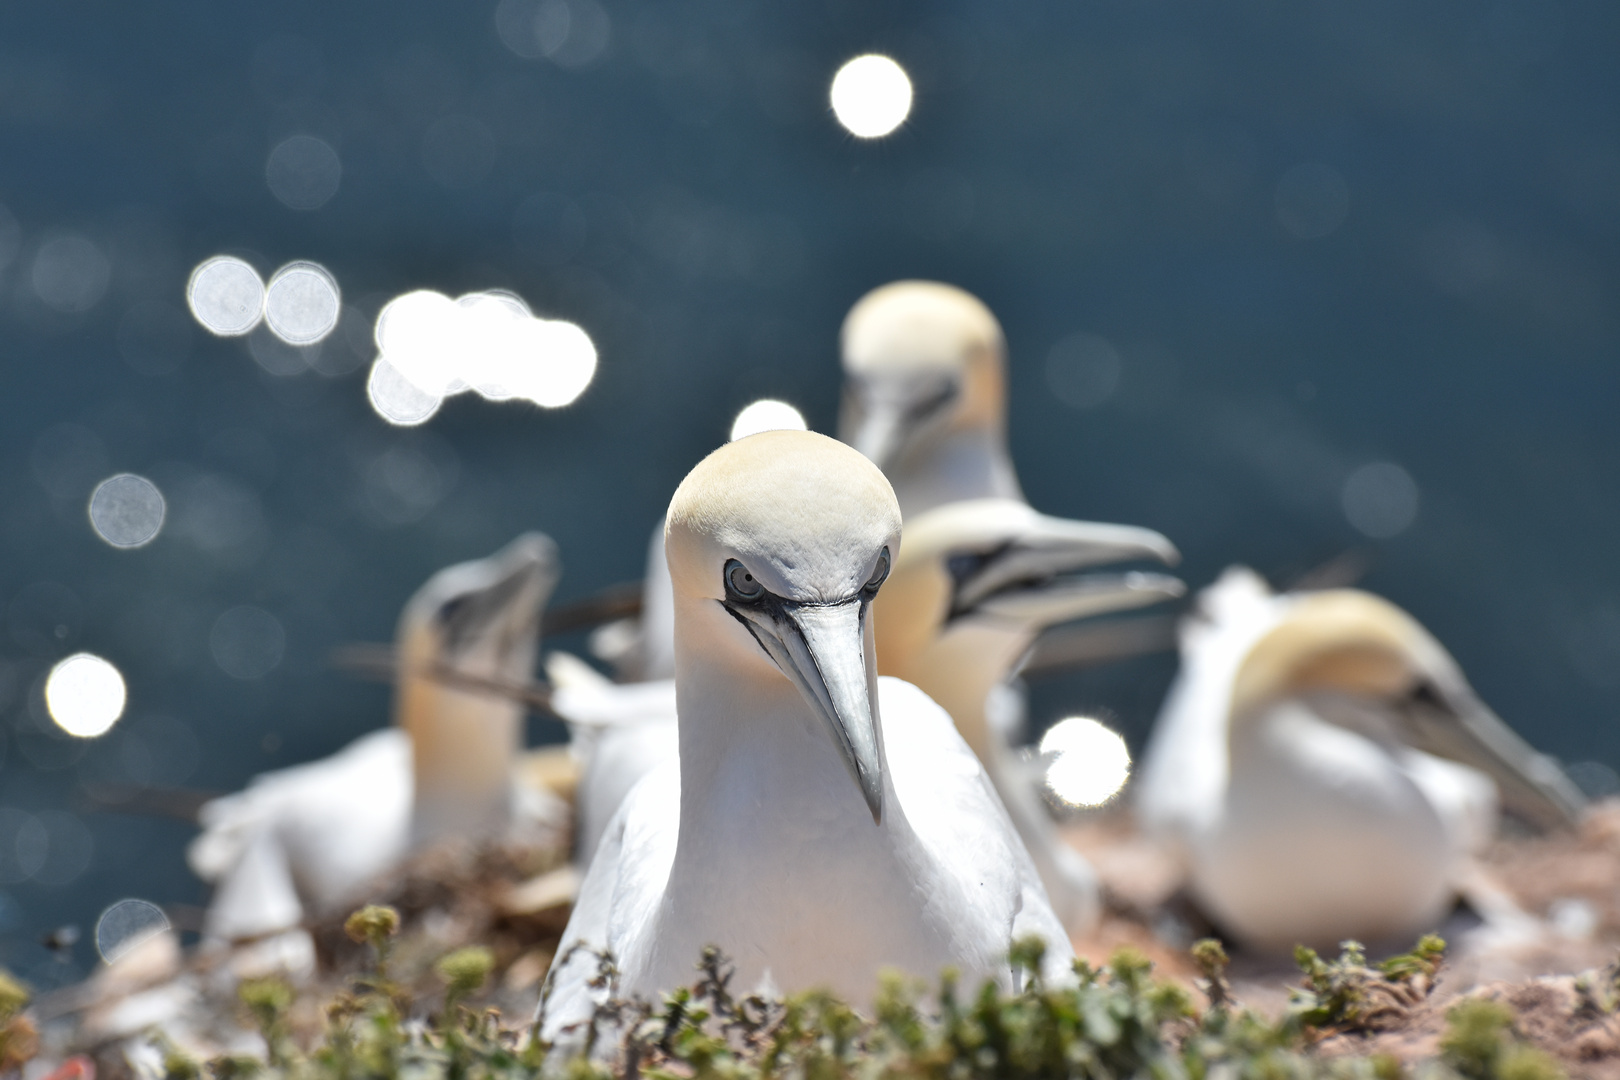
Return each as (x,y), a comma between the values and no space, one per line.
(922,360)
(1346,649)
(483,617)
(777,544)
(1343,641)
(993,573)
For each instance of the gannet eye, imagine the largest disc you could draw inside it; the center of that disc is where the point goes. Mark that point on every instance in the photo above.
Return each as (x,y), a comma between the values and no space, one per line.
(740,583)
(450,609)
(879,573)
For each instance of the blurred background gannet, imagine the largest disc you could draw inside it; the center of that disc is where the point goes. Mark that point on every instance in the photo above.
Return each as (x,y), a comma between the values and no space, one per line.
(820,823)
(925,394)
(1322,769)
(974,583)
(301,841)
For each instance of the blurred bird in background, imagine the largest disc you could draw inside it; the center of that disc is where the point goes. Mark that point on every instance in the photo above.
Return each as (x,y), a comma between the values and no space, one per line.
(974,583)
(305,840)
(1321,769)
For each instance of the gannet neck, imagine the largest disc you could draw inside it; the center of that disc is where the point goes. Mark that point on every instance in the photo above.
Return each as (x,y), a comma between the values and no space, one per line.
(479,619)
(964,463)
(463,746)
(959,669)
(750,745)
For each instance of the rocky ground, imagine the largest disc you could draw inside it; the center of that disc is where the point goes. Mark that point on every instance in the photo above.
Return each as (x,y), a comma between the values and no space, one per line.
(1541,911)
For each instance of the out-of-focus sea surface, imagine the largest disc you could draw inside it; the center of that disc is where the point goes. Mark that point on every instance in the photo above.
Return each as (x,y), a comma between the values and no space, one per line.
(1288,282)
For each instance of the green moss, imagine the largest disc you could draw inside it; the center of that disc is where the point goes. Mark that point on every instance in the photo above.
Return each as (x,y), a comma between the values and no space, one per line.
(1116,1021)
(1480,1045)
(464,972)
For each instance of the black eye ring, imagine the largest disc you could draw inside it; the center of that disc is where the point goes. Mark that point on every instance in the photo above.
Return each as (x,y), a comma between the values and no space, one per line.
(880,574)
(740,584)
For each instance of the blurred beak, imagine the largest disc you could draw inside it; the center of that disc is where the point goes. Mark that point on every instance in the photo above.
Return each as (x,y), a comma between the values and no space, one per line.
(821,648)
(879,431)
(506,610)
(1456,724)
(1037,578)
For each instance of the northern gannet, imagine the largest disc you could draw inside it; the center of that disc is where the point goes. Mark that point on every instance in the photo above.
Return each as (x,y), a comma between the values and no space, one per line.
(300,841)
(1321,767)
(820,823)
(925,394)
(972,586)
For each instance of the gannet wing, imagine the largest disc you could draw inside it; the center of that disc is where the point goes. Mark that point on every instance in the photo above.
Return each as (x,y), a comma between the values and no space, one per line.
(616,904)
(951,803)
(1451,722)
(282,827)
(257,895)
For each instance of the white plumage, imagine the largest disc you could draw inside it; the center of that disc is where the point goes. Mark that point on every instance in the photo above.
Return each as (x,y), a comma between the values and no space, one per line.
(819,824)
(1321,769)
(975,582)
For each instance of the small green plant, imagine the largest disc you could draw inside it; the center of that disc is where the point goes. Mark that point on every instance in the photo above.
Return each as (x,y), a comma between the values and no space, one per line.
(1347,995)
(464,972)
(374,925)
(1480,1045)
(1110,1022)
(1211,958)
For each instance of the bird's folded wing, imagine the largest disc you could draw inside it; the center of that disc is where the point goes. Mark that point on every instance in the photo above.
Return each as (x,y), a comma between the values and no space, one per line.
(617,899)
(926,754)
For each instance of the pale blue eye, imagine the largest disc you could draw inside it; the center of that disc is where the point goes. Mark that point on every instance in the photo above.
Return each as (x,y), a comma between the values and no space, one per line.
(740,583)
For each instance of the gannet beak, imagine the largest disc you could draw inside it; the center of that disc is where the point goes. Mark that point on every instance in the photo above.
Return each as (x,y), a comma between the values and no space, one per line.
(505,606)
(1035,578)
(1456,724)
(880,431)
(821,648)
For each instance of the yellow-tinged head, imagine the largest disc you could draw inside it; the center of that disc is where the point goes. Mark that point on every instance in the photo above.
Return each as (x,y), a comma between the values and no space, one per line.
(1342,640)
(921,360)
(777,544)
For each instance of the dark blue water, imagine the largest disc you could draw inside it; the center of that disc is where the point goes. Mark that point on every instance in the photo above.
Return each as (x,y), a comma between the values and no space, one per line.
(1315,236)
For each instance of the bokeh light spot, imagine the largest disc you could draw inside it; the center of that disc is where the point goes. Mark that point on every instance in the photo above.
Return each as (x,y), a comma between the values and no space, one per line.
(1380,499)
(1312,200)
(70,273)
(301,303)
(85,695)
(226,296)
(567,365)
(126,510)
(398,400)
(303,172)
(126,925)
(1083,370)
(247,642)
(24,844)
(488,342)
(767,414)
(871,96)
(1090,761)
